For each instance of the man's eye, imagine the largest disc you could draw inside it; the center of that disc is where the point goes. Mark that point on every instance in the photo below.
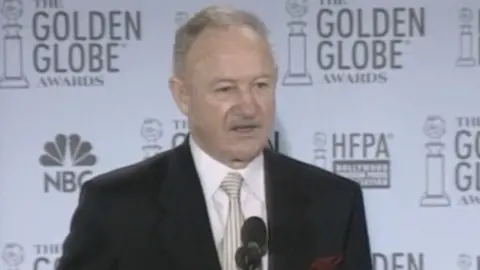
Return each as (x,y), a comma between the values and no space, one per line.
(224,89)
(262,85)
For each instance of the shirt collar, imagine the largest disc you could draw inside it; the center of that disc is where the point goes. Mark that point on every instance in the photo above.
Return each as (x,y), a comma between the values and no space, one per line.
(212,172)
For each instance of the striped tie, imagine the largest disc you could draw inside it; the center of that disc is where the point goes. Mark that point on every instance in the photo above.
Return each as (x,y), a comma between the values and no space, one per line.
(231,242)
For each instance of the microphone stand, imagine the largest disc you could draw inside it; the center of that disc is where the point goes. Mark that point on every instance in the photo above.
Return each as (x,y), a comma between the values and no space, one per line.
(252,260)
(252,267)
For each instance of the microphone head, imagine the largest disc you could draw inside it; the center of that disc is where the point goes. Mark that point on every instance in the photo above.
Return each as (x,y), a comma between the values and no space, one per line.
(254,230)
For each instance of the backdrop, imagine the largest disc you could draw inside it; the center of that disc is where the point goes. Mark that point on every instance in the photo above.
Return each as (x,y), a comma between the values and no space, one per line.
(383,92)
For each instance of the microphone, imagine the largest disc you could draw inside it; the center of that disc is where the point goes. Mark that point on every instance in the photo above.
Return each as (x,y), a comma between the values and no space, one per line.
(254,244)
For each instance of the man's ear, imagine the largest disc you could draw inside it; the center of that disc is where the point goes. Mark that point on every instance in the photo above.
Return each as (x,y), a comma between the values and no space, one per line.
(180,94)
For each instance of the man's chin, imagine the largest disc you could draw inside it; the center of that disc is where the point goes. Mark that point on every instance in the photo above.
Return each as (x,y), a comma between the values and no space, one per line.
(246,151)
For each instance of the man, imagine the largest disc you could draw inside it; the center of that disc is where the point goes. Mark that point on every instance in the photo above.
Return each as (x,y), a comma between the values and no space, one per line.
(183,208)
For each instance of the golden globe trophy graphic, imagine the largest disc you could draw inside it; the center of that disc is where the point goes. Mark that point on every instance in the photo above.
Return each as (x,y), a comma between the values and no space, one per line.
(319,152)
(297,72)
(13,255)
(435,194)
(13,76)
(466,58)
(152,131)
(464,262)
(181,17)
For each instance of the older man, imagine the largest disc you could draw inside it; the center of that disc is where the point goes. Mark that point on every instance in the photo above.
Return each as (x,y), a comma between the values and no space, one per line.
(183,209)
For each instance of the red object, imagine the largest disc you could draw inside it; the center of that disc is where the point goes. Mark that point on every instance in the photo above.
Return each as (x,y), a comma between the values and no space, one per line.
(326,263)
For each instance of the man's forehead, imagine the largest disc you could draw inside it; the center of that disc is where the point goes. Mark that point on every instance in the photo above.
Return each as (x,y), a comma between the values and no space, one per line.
(219,66)
(226,40)
(230,54)
(237,77)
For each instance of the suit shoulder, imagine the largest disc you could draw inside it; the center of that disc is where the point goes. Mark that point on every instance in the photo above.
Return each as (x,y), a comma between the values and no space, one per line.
(129,175)
(315,175)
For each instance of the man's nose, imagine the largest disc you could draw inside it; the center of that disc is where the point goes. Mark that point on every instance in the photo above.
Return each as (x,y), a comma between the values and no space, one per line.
(248,102)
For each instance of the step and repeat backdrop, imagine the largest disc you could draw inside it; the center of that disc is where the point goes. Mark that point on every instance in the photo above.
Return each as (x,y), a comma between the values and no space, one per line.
(383,92)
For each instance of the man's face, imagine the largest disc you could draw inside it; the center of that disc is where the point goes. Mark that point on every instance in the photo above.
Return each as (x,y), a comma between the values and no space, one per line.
(230,83)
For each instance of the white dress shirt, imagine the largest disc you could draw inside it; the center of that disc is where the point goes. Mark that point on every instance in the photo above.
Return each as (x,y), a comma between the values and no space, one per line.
(252,194)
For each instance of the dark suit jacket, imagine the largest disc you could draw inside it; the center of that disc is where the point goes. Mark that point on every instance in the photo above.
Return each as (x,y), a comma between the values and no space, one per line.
(152,216)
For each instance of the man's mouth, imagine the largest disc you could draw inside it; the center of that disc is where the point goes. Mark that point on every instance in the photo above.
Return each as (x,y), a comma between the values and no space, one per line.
(245,128)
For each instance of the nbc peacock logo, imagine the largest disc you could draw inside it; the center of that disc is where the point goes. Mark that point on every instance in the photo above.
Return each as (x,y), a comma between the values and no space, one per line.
(67,159)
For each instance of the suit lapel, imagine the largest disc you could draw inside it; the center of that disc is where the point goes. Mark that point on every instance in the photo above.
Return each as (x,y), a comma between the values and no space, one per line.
(185,230)
(290,236)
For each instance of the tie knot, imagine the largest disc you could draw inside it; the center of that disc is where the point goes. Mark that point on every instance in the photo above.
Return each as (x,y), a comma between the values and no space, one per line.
(231,184)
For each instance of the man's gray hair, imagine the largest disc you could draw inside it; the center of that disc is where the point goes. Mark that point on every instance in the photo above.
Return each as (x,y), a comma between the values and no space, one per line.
(207,18)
